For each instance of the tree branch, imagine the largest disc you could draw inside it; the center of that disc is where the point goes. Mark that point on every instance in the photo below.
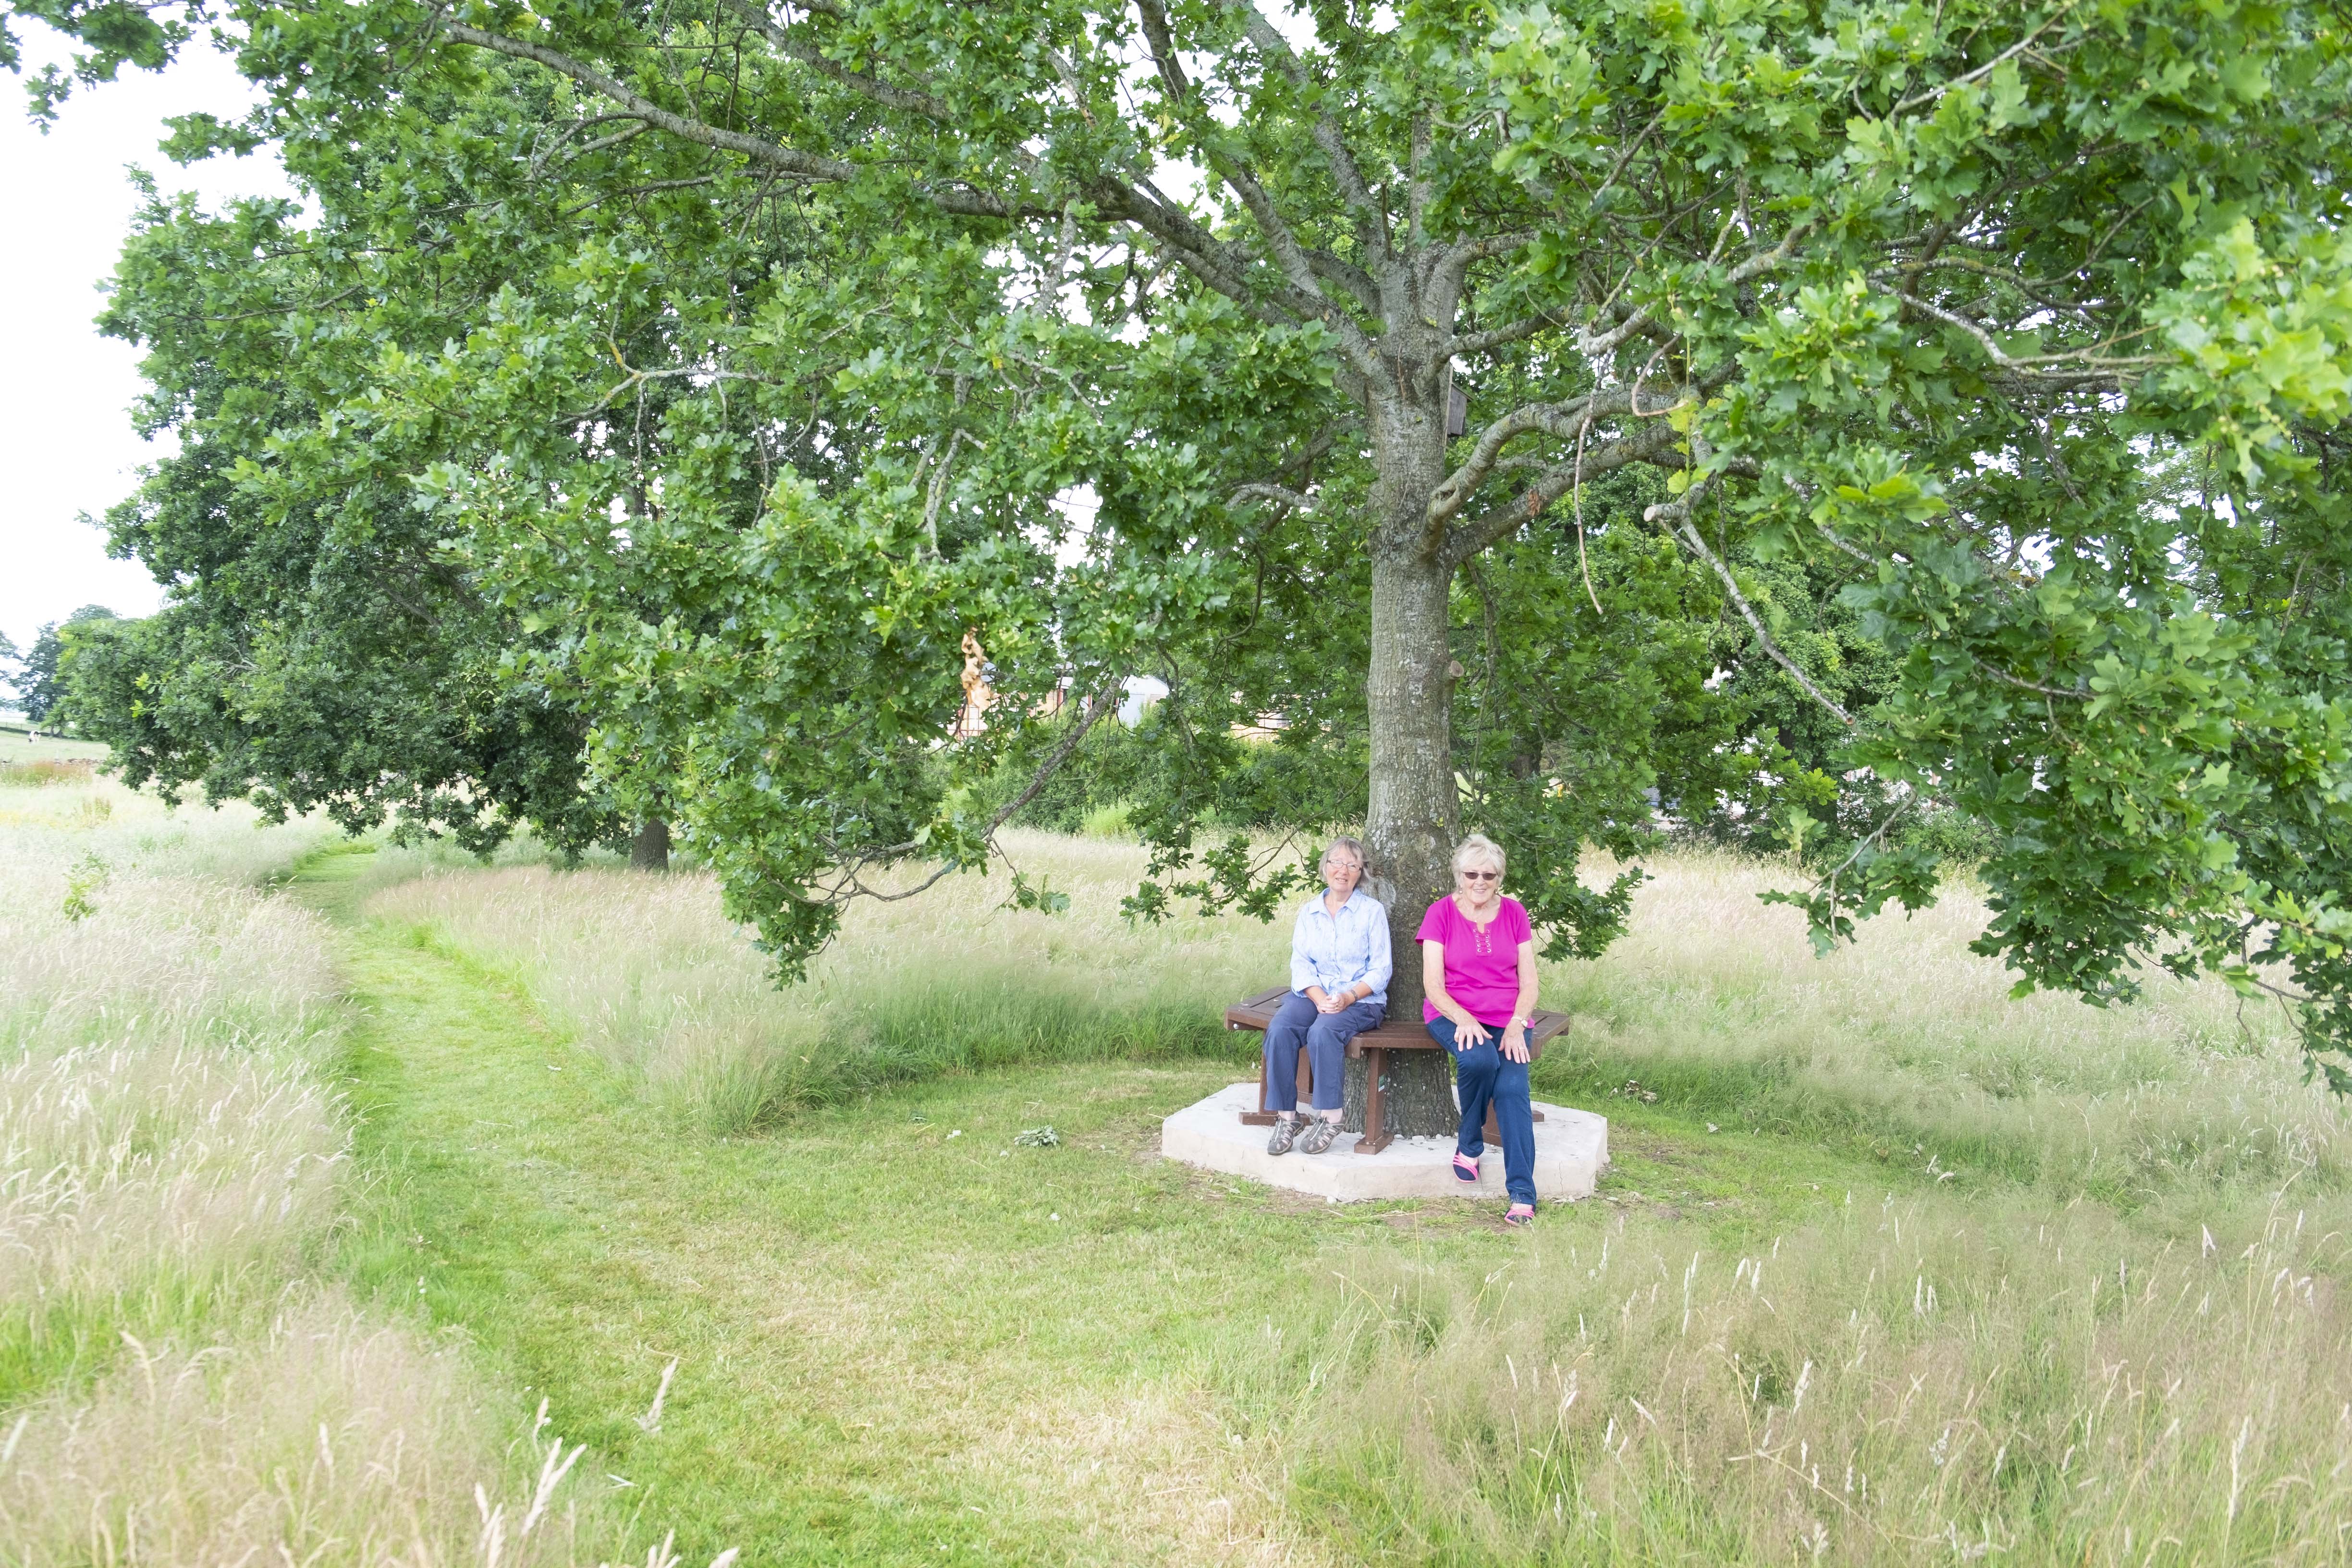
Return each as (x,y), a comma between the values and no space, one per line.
(1299,267)
(760,150)
(1592,344)
(1568,420)
(2090,370)
(924,103)
(2073,694)
(1419,191)
(1198,251)
(1464,540)
(1279,495)
(1097,704)
(636,105)
(1678,512)
(1565,420)
(1470,343)
(1450,265)
(1371,218)
(1920,100)
(1094,707)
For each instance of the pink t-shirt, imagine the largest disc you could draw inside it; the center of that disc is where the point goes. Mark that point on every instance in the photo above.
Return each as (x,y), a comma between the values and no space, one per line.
(1482,967)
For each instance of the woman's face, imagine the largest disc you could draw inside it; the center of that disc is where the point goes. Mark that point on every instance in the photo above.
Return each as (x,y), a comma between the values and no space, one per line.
(1478,881)
(1341,872)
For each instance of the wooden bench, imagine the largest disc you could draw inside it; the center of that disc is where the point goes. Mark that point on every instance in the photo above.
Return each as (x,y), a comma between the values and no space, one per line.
(1375,1043)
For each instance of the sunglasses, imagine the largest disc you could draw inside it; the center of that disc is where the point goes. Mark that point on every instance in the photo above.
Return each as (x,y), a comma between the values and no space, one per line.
(1480,875)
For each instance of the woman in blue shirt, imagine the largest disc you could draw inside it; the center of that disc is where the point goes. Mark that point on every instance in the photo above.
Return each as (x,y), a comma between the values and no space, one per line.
(1339,968)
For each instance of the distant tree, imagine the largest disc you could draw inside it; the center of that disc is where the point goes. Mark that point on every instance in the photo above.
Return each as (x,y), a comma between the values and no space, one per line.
(314,653)
(329,642)
(38,686)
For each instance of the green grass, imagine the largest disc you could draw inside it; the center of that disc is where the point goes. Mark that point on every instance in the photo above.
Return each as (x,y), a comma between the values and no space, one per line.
(18,744)
(898,1334)
(897,1344)
(1891,1267)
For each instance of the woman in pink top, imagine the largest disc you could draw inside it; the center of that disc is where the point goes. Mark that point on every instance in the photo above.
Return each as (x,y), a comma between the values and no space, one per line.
(1478,978)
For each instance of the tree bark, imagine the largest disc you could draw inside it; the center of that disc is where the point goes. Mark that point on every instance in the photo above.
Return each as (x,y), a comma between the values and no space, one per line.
(649,850)
(1411,820)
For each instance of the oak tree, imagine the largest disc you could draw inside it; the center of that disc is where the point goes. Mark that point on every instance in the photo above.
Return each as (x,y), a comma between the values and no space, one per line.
(2027,326)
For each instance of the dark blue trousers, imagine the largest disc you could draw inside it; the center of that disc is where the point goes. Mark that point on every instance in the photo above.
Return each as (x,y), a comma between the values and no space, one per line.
(1483,1075)
(1324,1036)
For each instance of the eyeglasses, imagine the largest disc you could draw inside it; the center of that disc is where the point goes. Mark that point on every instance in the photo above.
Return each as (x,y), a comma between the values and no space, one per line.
(1480,875)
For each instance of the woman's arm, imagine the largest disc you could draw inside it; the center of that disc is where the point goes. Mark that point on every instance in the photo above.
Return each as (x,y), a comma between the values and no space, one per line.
(1381,965)
(1514,1037)
(1302,967)
(1467,1030)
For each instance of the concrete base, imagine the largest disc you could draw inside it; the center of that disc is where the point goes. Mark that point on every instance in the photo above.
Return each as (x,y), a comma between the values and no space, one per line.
(1570,1148)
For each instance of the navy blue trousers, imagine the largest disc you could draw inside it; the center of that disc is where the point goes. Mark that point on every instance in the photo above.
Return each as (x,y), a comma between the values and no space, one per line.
(1324,1036)
(1483,1075)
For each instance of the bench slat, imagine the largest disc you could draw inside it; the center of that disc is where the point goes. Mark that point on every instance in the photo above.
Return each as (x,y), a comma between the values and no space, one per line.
(1395,1034)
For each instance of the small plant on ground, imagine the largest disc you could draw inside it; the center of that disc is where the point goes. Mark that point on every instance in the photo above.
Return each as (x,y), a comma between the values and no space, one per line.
(88,875)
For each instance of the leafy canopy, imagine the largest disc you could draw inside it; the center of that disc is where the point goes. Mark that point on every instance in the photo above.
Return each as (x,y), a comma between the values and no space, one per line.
(2026,328)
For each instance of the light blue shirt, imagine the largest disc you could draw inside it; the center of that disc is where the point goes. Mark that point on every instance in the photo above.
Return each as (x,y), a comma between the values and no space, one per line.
(1351,948)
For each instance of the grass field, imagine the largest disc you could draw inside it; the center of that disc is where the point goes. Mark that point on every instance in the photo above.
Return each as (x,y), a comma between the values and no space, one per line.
(185,1375)
(1890,1270)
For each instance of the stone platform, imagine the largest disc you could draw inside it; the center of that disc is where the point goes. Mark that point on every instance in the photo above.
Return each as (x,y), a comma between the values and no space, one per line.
(1570,1148)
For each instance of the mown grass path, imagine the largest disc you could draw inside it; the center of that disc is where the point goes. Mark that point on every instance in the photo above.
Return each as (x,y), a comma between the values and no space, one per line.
(899,1336)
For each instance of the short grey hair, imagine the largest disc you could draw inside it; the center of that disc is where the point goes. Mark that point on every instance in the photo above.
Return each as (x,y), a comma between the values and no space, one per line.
(1353,847)
(1481,849)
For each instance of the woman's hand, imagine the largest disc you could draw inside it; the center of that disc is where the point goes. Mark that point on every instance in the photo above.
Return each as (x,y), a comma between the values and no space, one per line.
(1336,1003)
(1468,1033)
(1515,1043)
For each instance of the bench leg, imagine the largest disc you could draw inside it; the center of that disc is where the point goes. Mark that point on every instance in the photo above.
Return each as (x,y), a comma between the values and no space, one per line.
(1494,1133)
(1258,1116)
(1376,1127)
(1261,1116)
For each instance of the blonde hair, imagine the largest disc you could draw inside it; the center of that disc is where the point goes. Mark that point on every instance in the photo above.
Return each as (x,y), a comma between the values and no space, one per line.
(1479,848)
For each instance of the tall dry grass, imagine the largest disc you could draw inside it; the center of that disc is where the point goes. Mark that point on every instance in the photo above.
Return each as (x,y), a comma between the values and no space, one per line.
(1909,1040)
(2115,1331)
(51,824)
(167,1144)
(169,960)
(1925,1381)
(177,1387)
(148,1191)
(325,1439)
(649,971)
(43,771)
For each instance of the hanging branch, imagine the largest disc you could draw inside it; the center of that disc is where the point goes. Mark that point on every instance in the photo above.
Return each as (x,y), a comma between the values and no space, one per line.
(1678,514)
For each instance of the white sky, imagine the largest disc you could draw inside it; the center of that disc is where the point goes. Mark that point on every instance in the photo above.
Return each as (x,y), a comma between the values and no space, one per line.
(66,441)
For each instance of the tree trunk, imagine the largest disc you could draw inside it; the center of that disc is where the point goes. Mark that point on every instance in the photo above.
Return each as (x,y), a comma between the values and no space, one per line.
(1410,825)
(649,850)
